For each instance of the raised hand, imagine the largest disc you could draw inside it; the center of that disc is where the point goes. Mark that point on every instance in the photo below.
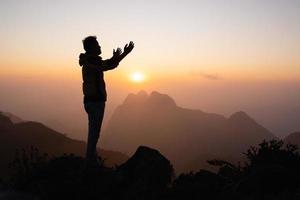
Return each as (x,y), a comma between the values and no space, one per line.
(117,53)
(128,48)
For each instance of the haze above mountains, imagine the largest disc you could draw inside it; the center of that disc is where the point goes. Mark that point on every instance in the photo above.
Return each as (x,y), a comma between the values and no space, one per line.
(57,102)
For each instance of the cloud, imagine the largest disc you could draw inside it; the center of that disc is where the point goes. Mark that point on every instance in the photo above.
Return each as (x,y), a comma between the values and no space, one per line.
(210,76)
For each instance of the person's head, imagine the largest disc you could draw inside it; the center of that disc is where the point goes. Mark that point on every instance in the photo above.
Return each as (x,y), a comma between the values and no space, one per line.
(91,45)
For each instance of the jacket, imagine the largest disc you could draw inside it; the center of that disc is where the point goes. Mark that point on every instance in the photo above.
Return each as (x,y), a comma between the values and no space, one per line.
(93,85)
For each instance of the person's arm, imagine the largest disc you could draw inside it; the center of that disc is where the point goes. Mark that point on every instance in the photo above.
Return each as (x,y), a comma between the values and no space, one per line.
(113,62)
(104,65)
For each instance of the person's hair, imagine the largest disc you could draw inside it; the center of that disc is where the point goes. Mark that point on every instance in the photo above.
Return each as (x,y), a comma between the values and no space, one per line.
(88,42)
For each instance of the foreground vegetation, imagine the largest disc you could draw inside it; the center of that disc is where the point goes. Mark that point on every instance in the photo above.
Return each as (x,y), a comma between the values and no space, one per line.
(271,171)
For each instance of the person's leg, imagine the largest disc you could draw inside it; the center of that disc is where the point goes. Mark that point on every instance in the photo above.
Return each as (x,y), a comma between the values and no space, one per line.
(95,111)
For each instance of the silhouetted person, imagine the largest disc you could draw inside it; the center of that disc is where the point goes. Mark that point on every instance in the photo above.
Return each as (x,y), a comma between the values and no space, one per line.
(94,87)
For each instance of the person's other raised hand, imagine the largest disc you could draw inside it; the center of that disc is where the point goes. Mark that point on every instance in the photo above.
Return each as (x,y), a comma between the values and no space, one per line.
(117,53)
(128,47)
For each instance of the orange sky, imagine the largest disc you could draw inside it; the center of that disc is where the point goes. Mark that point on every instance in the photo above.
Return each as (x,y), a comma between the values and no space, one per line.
(205,54)
(236,40)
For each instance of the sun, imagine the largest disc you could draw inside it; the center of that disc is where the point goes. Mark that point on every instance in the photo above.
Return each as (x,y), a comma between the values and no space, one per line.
(137,77)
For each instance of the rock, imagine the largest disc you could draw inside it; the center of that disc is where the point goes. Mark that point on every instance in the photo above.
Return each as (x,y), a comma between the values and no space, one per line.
(146,172)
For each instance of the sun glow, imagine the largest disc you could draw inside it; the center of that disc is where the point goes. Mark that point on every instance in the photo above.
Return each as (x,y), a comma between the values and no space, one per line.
(137,77)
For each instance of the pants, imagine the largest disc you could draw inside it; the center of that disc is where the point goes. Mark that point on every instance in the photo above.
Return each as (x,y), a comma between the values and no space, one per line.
(95,111)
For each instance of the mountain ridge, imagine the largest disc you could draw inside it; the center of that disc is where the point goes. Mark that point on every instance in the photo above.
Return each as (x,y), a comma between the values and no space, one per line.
(293,138)
(23,135)
(162,124)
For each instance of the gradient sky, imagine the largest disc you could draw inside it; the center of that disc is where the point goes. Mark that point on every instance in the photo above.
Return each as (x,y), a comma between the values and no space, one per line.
(185,48)
(250,38)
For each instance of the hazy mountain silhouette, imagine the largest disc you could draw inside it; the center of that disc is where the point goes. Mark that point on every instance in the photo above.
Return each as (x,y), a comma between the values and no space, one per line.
(293,138)
(15,119)
(24,134)
(187,137)
(270,170)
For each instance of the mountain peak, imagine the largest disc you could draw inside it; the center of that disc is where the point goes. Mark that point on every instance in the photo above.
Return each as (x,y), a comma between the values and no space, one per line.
(142,93)
(5,122)
(242,120)
(154,99)
(160,99)
(293,138)
(14,119)
(138,98)
(240,115)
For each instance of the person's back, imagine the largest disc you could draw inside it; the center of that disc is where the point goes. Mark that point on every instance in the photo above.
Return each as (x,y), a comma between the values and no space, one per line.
(94,89)
(93,85)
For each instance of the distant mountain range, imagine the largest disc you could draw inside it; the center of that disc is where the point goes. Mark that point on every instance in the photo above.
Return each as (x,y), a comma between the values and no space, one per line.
(24,134)
(187,137)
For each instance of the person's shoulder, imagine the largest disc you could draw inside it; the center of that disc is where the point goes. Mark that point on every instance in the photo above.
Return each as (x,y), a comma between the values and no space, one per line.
(82,59)
(95,60)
